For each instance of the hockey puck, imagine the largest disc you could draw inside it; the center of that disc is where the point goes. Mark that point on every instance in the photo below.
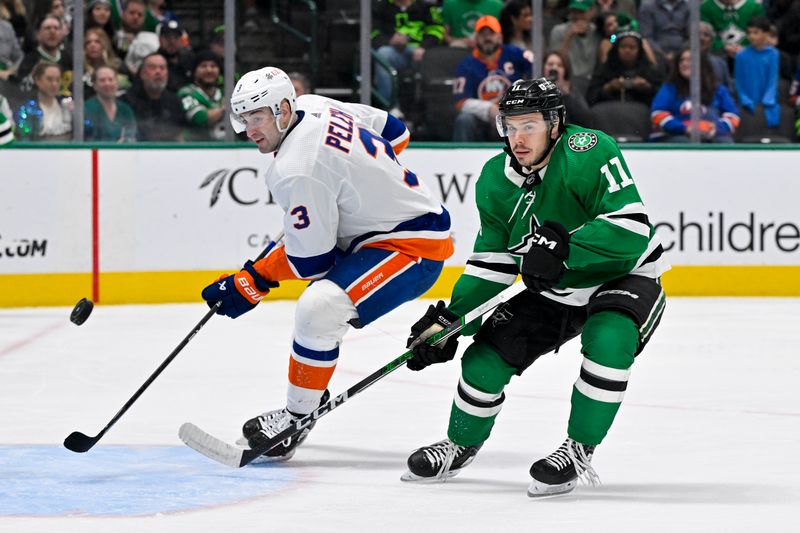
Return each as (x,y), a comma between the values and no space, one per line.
(81,311)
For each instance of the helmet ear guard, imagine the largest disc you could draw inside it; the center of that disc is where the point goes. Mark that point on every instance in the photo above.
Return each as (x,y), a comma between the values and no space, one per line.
(263,88)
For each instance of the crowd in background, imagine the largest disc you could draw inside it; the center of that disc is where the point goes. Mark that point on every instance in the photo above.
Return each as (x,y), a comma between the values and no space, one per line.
(144,81)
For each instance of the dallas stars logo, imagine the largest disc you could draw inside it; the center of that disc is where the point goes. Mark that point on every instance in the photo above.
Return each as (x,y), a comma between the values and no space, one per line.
(526,240)
(581,142)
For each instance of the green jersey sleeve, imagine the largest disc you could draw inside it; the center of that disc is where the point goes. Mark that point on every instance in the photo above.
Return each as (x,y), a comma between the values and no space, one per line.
(613,240)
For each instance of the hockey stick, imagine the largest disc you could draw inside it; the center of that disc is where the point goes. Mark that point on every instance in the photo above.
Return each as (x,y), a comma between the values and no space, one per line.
(237,457)
(79,442)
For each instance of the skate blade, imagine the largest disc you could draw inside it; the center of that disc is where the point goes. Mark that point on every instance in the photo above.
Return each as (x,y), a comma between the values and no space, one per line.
(543,490)
(411,477)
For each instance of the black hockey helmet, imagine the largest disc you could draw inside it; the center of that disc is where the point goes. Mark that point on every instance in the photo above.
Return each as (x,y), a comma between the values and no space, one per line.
(532,96)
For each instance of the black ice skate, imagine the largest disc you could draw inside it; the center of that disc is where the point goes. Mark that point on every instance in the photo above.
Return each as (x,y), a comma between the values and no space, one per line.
(558,473)
(439,461)
(265,426)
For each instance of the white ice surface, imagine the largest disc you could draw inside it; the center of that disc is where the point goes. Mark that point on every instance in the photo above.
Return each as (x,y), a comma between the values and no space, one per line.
(706,440)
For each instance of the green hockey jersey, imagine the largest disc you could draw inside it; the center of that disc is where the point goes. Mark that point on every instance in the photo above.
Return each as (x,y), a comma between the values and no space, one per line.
(587,187)
(196,103)
(730,21)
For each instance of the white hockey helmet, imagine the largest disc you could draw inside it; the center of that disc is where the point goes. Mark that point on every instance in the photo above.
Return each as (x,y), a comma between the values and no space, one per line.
(265,87)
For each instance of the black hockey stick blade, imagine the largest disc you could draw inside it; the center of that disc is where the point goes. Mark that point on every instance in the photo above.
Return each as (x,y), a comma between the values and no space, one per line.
(237,457)
(79,443)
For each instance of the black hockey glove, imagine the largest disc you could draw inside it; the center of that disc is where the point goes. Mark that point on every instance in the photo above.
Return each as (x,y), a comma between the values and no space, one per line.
(436,318)
(543,265)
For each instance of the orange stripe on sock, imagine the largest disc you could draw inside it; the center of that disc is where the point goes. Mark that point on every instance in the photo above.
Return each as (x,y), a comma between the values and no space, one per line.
(309,377)
(434,249)
(378,276)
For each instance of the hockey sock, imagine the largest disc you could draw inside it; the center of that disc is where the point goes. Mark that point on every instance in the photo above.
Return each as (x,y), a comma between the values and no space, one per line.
(479,396)
(609,340)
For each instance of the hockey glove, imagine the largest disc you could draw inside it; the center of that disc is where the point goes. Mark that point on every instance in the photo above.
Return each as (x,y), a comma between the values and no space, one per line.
(238,293)
(436,319)
(543,265)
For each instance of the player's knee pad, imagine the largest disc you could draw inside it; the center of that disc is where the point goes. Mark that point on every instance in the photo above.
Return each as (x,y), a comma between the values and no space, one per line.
(610,339)
(484,369)
(529,326)
(640,298)
(321,315)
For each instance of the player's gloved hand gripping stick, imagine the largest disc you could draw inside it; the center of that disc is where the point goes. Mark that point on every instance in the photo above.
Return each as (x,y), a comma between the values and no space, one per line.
(236,457)
(78,442)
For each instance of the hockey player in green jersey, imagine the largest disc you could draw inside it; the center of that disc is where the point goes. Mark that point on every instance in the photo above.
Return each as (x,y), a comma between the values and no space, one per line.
(560,208)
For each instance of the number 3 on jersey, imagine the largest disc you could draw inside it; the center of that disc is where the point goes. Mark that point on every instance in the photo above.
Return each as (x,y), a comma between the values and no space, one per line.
(369,140)
(302,217)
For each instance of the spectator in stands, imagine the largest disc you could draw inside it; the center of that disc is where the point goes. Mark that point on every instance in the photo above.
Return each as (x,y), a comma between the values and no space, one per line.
(144,44)
(48,116)
(459,18)
(14,12)
(402,31)
(97,53)
(158,111)
(729,19)
(516,19)
(628,75)
(131,23)
(10,51)
(6,122)
(607,24)
(556,69)
(672,105)
(786,62)
(756,73)
(107,118)
(157,15)
(98,15)
(787,14)
(623,7)
(794,90)
(179,59)
(578,39)
(203,100)
(718,63)
(300,82)
(665,24)
(50,36)
(482,78)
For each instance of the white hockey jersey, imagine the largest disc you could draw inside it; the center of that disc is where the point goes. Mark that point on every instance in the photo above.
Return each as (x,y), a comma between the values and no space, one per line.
(341,187)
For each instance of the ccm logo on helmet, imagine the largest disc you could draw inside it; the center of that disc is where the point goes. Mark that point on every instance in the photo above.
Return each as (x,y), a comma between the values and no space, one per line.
(511,102)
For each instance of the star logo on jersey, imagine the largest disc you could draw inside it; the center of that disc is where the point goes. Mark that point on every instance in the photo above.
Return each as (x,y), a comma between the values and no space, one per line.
(582,142)
(525,242)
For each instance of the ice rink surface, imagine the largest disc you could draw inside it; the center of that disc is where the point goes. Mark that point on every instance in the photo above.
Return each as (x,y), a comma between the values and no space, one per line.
(707,438)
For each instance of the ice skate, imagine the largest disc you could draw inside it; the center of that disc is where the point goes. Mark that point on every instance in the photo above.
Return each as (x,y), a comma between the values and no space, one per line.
(558,473)
(439,461)
(265,426)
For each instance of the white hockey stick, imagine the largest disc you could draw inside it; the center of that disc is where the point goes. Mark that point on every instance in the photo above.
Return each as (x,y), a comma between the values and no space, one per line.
(237,457)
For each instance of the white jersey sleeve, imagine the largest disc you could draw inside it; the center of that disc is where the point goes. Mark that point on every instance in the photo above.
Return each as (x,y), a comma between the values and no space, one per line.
(388,126)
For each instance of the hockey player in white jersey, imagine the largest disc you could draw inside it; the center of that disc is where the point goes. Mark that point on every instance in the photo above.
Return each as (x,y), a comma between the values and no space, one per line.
(356,222)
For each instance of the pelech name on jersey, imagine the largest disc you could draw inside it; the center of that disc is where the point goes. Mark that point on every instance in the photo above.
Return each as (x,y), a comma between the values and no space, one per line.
(340,130)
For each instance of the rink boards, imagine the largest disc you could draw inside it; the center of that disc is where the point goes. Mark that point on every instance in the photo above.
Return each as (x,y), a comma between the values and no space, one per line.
(152,224)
